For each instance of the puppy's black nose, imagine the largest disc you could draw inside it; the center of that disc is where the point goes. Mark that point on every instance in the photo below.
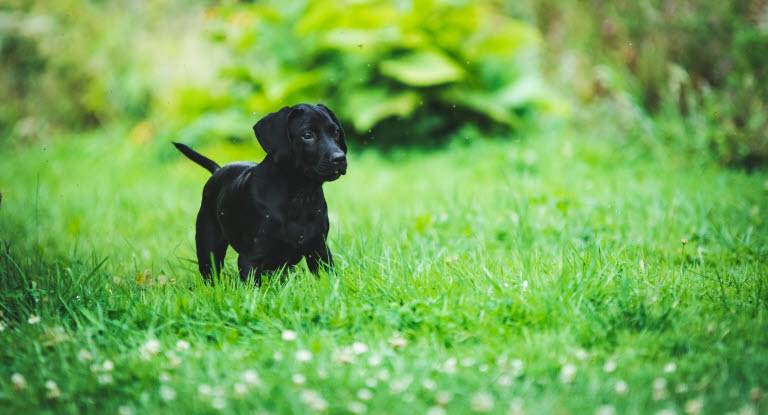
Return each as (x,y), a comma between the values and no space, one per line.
(338,158)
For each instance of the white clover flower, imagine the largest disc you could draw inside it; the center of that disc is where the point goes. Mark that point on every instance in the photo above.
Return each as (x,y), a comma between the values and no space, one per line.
(33,319)
(149,349)
(204,389)
(567,373)
(364,394)
(374,360)
(289,335)
(609,366)
(516,366)
(359,348)
(667,411)
(621,387)
(429,384)
(53,391)
(382,375)
(299,379)
(240,389)
(124,410)
(303,355)
(670,367)
(164,377)
(516,406)
(104,379)
(84,355)
(525,285)
(398,342)
(356,407)
(107,366)
(467,362)
(218,402)
(435,410)
(694,406)
(250,377)
(504,380)
(167,393)
(580,354)
(659,389)
(371,382)
(605,410)
(182,345)
(173,360)
(481,402)
(313,399)
(443,397)
(18,382)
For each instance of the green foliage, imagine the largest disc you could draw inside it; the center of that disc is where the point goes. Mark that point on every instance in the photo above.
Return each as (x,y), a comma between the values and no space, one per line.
(431,66)
(704,61)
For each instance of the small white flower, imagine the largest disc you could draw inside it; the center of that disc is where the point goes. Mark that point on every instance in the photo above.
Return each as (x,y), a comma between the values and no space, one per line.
(18,381)
(204,389)
(356,407)
(277,356)
(364,394)
(299,379)
(659,389)
(467,362)
(33,319)
(399,385)
(124,410)
(173,360)
(382,375)
(250,377)
(167,393)
(218,402)
(164,377)
(567,373)
(149,349)
(435,410)
(398,342)
(107,366)
(443,397)
(313,399)
(182,345)
(580,354)
(609,366)
(84,355)
(104,379)
(303,355)
(345,356)
(694,406)
(53,390)
(481,402)
(670,367)
(516,366)
(429,384)
(621,387)
(504,380)
(2,327)
(359,348)
(240,389)
(374,360)
(668,411)
(289,335)
(371,382)
(605,410)
(516,407)
(525,285)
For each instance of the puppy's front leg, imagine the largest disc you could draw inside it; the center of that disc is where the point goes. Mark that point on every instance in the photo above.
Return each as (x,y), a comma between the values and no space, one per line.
(320,255)
(248,265)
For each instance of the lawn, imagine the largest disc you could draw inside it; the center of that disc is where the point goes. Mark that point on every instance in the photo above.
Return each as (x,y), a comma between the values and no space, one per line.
(556,273)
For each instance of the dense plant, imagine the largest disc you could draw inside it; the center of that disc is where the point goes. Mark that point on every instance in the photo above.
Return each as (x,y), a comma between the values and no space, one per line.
(395,72)
(704,61)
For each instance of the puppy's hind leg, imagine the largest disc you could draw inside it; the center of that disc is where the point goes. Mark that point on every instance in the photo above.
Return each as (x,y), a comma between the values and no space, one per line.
(210,242)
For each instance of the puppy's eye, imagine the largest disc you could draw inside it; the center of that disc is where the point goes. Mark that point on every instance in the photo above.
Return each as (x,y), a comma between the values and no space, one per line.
(336,134)
(307,135)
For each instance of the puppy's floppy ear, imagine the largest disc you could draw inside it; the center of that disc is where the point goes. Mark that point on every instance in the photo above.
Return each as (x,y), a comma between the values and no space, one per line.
(273,135)
(342,138)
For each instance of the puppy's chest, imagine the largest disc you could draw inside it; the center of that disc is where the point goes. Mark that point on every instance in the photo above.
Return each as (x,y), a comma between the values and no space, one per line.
(300,218)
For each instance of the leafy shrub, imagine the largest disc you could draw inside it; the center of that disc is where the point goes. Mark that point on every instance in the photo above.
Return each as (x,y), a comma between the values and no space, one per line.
(702,60)
(396,72)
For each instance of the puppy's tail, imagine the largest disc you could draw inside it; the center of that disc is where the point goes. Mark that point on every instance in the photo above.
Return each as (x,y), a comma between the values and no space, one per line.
(198,158)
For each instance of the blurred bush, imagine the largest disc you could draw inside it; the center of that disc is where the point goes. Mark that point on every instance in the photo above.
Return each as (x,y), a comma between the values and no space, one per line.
(704,62)
(78,64)
(403,72)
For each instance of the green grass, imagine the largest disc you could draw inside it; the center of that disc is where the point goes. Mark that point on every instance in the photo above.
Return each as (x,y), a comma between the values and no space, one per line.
(498,275)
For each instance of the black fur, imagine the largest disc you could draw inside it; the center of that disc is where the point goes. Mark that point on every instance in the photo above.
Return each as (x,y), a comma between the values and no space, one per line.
(272,213)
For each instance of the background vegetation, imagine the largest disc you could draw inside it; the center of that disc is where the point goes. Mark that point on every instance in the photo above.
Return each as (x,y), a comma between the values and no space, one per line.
(552,207)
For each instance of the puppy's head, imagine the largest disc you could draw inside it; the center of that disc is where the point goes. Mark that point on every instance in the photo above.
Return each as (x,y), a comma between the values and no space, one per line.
(308,138)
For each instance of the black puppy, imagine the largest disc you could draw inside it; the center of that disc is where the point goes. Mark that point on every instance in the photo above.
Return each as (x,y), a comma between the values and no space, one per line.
(273,213)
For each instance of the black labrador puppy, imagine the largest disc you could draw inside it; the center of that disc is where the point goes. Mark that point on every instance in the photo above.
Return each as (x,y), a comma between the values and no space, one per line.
(273,213)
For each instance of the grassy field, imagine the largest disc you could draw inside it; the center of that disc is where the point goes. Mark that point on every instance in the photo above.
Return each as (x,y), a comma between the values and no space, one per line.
(544,275)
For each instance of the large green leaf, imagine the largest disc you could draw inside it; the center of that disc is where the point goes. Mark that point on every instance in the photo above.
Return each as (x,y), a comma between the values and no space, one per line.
(367,107)
(423,68)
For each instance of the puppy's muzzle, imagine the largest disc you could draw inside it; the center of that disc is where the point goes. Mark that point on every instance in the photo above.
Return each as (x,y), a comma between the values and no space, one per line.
(339,163)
